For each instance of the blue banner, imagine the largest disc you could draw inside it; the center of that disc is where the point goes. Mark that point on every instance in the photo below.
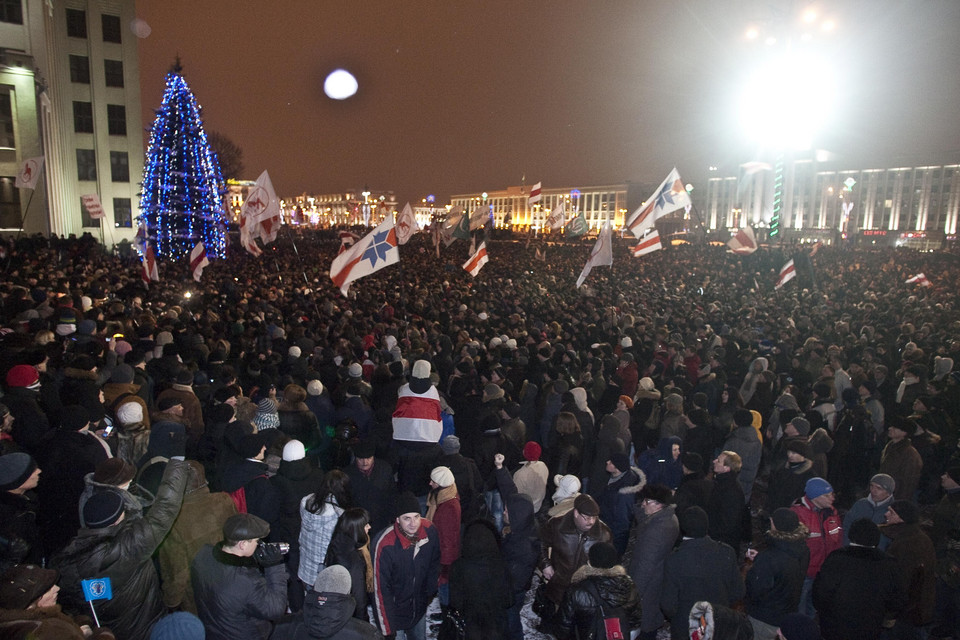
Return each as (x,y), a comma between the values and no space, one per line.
(97,589)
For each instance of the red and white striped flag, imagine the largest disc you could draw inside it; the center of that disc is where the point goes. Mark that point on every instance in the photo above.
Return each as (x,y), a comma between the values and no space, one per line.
(649,244)
(919,279)
(248,235)
(198,260)
(787,273)
(744,242)
(150,271)
(534,194)
(477,260)
(346,240)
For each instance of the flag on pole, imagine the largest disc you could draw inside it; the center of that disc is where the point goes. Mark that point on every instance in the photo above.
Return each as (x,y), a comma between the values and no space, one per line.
(141,238)
(479,217)
(744,242)
(450,225)
(919,279)
(462,230)
(262,207)
(347,239)
(558,216)
(787,273)
(816,247)
(534,194)
(375,251)
(248,238)
(29,173)
(669,196)
(406,224)
(601,255)
(150,271)
(97,589)
(648,244)
(577,226)
(198,260)
(477,260)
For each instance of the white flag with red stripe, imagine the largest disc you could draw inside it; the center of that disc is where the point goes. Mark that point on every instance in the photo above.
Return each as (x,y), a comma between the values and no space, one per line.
(477,260)
(417,417)
(744,242)
(406,224)
(787,273)
(648,244)
(919,279)
(347,239)
(248,236)
(534,194)
(601,255)
(669,196)
(150,270)
(377,249)
(558,216)
(198,260)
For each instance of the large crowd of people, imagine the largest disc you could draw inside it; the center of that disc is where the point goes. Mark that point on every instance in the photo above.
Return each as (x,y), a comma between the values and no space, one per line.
(674,449)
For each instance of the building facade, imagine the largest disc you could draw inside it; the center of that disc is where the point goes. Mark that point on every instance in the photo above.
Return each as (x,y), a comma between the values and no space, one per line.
(70,73)
(346,208)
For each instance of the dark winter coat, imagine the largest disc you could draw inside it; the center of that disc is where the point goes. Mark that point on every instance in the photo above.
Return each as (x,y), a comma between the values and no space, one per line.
(264,500)
(656,534)
(466,475)
(405,575)
(294,480)
(903,463)
(914,553)
(326,615)
(375,493)
(31,424)
(616,505)
(343,550)
(725,508)
(565,548)
(480,587)
(299,423)
(235,600)
(18,526)
(521,545)
(856,589)
(581,607)
(694,490)
(699,569)
(659,465)
(745,442)
(80,387)
(122,552)
(787,483)
(776,578)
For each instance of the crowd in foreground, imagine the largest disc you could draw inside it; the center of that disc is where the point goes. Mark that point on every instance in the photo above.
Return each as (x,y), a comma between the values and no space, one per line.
(674,448)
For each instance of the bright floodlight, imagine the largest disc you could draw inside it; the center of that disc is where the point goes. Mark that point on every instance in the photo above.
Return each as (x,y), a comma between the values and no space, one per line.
(787,100)
(340,84)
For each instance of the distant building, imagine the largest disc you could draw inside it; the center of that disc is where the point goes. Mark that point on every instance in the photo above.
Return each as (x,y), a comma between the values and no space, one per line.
(903,206)
(70,91)
(346,208)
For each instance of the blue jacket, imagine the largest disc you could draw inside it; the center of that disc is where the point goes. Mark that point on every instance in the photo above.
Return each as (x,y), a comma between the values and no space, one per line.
(405,575)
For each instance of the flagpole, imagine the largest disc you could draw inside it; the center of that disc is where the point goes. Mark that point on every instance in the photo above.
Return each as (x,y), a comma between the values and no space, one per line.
(26,212)
(94,611)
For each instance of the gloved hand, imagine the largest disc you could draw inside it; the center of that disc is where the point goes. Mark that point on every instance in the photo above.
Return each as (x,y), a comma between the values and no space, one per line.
(268,555)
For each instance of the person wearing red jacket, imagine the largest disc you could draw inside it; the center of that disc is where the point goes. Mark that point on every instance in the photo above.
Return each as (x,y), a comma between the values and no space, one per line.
(825,533)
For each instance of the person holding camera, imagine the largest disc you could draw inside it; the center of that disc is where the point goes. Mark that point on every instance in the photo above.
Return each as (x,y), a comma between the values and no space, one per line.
(240,584)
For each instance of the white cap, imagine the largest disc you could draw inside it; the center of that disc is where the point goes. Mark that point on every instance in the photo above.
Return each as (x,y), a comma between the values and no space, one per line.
(421,369)
(130,413)
(567,486)
(294,450)
(315,387)
(442,476)
(294,351)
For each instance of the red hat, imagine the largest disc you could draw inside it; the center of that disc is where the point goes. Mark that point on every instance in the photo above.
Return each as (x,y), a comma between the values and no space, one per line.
(23,375)
(531,451)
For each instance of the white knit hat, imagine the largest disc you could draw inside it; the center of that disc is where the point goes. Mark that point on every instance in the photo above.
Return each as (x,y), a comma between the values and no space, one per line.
(130,413)
(315,387)
(567,487)
(294,450)
(294,351)
(421,369)
(442,476)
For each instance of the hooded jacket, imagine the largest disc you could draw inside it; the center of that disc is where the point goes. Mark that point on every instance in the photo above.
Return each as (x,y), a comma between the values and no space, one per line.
(660,466)
(776,578)
(616,504)
(327,615)
(613,586)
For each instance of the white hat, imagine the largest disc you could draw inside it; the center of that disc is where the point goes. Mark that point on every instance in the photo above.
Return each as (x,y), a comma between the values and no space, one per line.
(442,476)
(314,387)
(626,342)
(86,303)
(421,369)
(130,413)
(355,370)
(511,344)
(294,351)
(494,343)
(567,487)
(294,450)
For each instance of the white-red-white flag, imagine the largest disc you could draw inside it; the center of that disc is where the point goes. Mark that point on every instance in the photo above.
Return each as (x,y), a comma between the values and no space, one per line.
(347,238)
(406,224)
(248,236)
(601,255)
(150,270)
(477,260)
(787,273)
(558,216)
(29,173)
(744,242)
(669,196)
(198,260)
(919,279)
(534,194)
(373,252)
(648,244)
(262,207)
(91,202)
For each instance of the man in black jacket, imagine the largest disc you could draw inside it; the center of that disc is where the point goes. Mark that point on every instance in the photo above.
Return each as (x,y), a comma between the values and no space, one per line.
(775,580)
(858,587)
(725,506)
(235,599)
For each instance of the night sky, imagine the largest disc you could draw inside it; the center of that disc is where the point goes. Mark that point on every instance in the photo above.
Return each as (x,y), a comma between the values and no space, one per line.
(462,95)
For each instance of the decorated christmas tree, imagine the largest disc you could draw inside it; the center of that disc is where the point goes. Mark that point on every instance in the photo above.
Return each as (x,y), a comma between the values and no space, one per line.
(181,201)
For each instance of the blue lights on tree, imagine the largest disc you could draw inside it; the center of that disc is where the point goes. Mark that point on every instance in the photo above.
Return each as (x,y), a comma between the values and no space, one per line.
(182,193)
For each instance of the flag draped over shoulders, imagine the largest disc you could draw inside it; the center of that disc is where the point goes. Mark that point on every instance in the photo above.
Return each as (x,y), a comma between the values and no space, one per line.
(418,416)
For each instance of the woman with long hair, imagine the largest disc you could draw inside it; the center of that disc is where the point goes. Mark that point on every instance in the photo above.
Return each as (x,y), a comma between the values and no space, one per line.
(319,513)
(350,548)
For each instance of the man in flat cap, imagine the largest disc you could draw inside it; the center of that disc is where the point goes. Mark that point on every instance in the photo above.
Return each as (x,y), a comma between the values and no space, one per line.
(239,585)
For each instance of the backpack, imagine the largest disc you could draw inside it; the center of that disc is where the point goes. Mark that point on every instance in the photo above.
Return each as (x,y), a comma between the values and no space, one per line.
(609,623)
(239,496)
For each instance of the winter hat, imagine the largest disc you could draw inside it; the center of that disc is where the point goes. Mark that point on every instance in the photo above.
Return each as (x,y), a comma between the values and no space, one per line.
(421,369)
(603,555)
(908,511)
(180,625)
(165,404)
(796,626)
(586,505)
(364,449)
(799,446)
(743,418)
(492,392)
(355,370)
(130,413)
(694,522)
(23,376)
(692,460)
(817,487)
(333,579)
(647,384)
(24,584)
(865,533)
(675,400)
(511,344)
(294,351)
(114,471)
(627,401)
(123,347)
(102,509)
(86,327)
(450,444)
(251,444)
(15,468)
(293,451)
(531,451)
(267,417)
(802,425)
(314,388)
(122,374)
(74,418)
(407,503)
(657,492)
(567,486)
(621,461)
(887,483)
(442,476)
(785,520)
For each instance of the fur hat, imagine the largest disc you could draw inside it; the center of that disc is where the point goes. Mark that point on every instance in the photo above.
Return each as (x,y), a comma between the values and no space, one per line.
(333,579)
(647,384)
(442,476)
(492,392)
(15,469)
(785,520)
(657,492)
(24,584)
(102,509)
(294,351)
(694,522)
(314,388)
(799,446)
(114,471)
(130,413)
